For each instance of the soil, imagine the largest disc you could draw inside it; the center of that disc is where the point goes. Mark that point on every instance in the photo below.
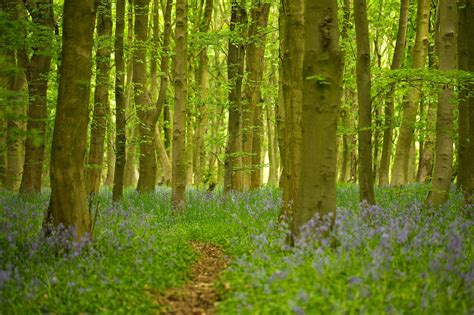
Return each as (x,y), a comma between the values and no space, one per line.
(198,296)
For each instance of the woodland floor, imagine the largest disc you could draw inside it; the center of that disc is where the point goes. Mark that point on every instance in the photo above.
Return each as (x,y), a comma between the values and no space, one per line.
(197,296)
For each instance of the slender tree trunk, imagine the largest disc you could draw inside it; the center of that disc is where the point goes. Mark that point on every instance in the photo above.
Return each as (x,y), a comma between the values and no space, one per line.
(321,96)
(235,69)
(101,98)
(163,157)
(145,110)
(178,179)
(251,112)
(37,72)
(110,153)
(410,104)
(366,180)
(444,121)
(292,30)
(68,204)
(425,164)
(199,156)
(465,44)
(389,101)
(120,103)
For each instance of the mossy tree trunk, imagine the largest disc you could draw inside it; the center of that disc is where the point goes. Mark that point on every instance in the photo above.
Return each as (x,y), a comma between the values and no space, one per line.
(68,204)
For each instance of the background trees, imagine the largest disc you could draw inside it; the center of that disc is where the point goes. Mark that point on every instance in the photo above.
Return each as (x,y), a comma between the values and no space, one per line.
(242,109)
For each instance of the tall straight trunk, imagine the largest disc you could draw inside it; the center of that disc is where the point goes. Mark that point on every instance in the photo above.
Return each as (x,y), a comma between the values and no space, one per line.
(154,47)
(389,101)
(410,104)
(366,180)
(37,73)
(120,102)
(145,109)
(346,110)
(178,178)
(272,147)
(444,121)
(68,204)
(292,42)
(235,69)
(199,156)
(256,170)
(251,112)
(162,157)
(110,153)
(101,98)
(425,161)
(466,98)
(164,66)
(321,96)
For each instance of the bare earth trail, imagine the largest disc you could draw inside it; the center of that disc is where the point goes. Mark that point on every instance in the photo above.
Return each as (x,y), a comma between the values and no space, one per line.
(197,296)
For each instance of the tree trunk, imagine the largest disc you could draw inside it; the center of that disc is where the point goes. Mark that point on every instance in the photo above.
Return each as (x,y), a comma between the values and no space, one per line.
(466,99)
(321,96)
(199,156)
(291,56)
(444,121)
(407,128)
(251,112)
(366,180)
(120,103)
(143,104)
(101,98)
(37,72)
(389,101)
(235,69)
(68,204)
(178,178)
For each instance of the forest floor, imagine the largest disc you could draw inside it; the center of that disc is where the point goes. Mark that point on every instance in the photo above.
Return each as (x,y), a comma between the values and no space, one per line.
(198,296)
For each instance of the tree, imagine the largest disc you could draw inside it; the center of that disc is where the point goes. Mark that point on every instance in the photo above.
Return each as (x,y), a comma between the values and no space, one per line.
(68,204)
(389,101)
(120,102)
(322,69)
(465,47)
(235,70)
(178,178)
(366,180)
(291,22)
(410,105)
(444,120)
(101,97)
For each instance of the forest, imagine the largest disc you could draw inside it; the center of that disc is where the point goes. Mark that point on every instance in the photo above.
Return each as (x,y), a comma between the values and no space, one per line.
(237,156)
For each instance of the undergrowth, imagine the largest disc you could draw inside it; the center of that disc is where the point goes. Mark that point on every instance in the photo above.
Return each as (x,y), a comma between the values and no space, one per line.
(397,257)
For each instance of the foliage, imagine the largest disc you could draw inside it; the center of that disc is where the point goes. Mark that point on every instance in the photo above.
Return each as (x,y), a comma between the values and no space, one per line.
(397,257)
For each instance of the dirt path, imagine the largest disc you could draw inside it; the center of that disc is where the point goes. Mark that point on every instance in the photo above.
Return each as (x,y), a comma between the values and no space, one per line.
(198,296)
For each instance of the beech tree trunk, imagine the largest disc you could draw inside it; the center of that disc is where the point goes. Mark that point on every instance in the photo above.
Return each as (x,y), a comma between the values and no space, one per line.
(292,30)
(68,203)
(444,121)
(235,70)
(251,111)
(407,128)
(465,180)
(120,103)
(143,104)
(389,101)
(322,71)
(178,178)
(101,98)
(366,180)
(37,73)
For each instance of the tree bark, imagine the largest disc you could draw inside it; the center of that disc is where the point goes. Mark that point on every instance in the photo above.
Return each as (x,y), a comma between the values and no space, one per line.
(444,121)
(37,73)
(101,98)
(407,128)
(178,178)
(235,69)
(292,32)
(120,103)
(68,204)
(389,101)
(321,96)
(366,180)
(251,111)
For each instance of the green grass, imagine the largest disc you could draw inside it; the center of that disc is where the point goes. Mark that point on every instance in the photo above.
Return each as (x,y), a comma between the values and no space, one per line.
(396,258)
